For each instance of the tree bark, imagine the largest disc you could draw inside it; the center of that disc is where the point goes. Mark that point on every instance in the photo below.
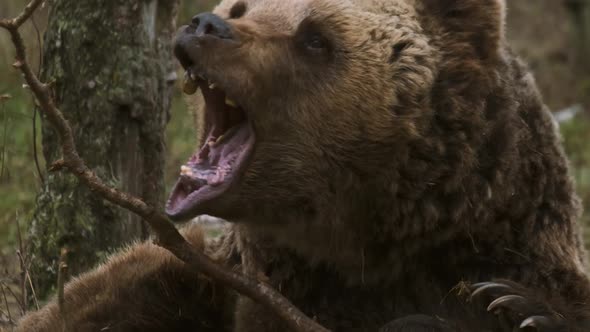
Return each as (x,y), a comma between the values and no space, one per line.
(113,70)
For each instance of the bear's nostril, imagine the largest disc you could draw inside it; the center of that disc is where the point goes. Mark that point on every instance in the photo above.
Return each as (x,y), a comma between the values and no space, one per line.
(209,29)
(196,21)
(209,24)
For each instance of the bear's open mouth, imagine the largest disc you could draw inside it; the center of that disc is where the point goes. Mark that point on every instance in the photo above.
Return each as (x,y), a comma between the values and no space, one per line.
(216,165)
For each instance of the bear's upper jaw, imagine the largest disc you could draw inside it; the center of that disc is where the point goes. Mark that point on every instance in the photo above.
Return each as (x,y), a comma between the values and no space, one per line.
(212,170)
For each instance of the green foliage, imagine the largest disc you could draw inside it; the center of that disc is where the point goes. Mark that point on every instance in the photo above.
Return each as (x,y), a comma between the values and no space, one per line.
(577,146)
(190,8)
(19,180)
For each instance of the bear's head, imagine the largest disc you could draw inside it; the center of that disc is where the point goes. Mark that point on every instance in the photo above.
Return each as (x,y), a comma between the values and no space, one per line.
(323,113)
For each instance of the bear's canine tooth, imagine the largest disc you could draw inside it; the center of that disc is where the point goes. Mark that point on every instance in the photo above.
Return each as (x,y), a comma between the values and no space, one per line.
(221,138)
(212,85)
(230,102)
(185,170)
(227,134)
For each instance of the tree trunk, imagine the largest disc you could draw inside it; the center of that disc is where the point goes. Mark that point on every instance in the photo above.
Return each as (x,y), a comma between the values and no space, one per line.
(113,70)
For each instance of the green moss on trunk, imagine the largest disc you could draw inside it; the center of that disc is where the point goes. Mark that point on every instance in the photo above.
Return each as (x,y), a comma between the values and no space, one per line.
(112,66)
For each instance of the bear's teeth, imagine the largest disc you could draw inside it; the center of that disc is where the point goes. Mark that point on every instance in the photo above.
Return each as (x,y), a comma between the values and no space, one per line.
(185,170)
(225,135)
(230,102)
(212,85)
(192,76)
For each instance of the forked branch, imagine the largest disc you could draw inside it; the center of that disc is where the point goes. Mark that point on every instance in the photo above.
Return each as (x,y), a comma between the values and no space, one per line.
(167,235)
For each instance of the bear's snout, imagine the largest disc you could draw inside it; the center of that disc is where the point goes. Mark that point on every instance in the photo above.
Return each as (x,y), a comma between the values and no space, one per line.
(206,31)
(209,24)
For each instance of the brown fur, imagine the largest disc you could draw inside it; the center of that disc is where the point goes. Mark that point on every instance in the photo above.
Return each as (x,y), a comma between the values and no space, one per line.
(143,288)
(417,154)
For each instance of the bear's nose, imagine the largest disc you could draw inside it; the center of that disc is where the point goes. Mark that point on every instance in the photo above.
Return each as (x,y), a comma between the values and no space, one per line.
(210,24)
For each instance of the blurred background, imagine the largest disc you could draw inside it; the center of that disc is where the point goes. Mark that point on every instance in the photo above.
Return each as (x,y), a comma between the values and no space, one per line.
(19,179)
(553,36)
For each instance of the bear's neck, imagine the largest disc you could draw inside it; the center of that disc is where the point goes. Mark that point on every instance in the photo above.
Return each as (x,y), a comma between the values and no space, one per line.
(363,262)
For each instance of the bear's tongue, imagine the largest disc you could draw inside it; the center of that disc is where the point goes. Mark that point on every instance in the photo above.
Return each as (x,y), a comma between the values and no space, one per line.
(215,160)
(211,170)
(228,132)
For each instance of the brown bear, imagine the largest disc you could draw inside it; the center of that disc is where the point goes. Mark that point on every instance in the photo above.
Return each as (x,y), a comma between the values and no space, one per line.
(386,165)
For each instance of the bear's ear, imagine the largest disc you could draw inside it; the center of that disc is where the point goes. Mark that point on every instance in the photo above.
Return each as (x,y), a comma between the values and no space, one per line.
(479,23)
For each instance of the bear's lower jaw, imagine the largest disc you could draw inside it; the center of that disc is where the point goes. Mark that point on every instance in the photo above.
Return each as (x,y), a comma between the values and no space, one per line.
(215,168)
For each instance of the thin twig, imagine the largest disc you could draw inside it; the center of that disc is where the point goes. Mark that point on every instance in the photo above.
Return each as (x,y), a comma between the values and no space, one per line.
(35,153)
(57,166)
(7,306)
(20,304)
(28,278)
(16,22)
(5,138)
(61,280)
(39,44)
(3,313)
(22,263)
(168,237)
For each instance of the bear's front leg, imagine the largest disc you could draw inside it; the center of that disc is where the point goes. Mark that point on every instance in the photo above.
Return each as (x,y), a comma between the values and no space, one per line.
(418,323)
(143,288)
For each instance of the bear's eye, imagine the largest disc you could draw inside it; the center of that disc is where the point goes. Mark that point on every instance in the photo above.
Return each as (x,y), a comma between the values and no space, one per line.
(316,43)
(310,40)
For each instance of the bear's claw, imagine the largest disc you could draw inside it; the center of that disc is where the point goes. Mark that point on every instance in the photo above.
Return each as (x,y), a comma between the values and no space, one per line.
(508,301)
(483,287)
(541,323)
(511,303)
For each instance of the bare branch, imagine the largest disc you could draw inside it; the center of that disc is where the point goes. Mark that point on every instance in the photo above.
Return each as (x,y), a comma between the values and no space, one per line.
(168,237)
(15,23)
(57,166)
